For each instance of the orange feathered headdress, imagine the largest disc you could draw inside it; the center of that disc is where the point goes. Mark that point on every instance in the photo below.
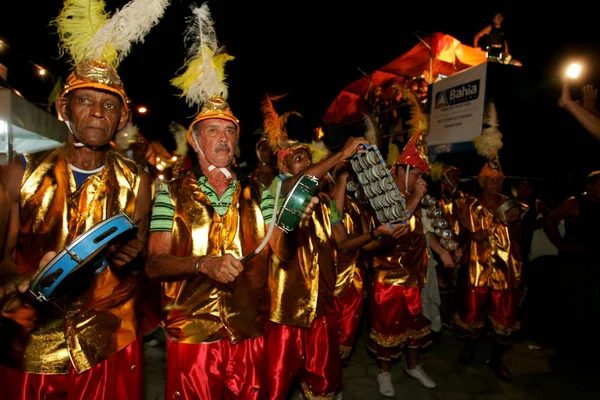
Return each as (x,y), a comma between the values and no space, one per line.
(274,126)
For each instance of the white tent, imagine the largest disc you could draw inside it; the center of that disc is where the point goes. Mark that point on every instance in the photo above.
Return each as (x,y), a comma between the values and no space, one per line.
(26,128)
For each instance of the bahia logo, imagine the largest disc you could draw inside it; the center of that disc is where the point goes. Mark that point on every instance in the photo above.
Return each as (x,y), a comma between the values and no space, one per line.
(457,94)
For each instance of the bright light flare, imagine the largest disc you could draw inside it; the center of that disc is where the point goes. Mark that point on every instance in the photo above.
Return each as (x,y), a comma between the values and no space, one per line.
(573,70)
(320,133)
(142,110)
(42,71)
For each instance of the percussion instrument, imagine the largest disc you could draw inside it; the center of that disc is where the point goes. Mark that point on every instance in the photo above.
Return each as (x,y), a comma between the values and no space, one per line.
(506,207)
(432,217)
(82,259)
(291,212)
(379,186)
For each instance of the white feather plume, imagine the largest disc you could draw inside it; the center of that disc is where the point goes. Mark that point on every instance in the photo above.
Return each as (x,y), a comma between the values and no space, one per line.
(490,142)
(127,26)
(371,129)
(205,76)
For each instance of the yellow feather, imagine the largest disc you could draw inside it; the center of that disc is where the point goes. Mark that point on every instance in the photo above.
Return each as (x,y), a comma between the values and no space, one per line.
(76,24)
(393,154)
(318,151)
(219,62)
(194,70)
(436,172)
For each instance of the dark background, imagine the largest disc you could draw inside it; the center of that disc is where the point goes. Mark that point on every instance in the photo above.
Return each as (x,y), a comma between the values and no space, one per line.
(311,50)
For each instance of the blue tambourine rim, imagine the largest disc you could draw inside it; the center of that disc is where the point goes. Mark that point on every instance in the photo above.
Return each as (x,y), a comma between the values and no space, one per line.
(65,253)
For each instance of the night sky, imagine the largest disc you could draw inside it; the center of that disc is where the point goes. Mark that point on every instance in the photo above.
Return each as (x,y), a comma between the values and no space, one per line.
(311,50)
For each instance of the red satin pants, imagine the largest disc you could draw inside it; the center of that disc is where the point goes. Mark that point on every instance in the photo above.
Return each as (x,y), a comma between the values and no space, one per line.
(348,311)
(397,320)
(121,377)
(500,307)
(312,352)
(215,371)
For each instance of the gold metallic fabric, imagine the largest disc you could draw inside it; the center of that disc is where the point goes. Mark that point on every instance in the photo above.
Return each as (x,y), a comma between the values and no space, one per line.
(495,262)
(302,289)
(346,264)
(86,329)
(404,262)
(447,204)
(96,74)
(200,309)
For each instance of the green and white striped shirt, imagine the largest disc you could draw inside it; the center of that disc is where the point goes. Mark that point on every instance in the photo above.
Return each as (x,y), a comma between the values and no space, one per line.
(163,210)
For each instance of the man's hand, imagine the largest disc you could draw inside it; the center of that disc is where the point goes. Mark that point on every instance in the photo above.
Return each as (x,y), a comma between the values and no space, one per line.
(309,209)
(121,254)
(395,231)
(222,269)
(352,146)
(565,96)
(420,188)
(10,293)
(447,259)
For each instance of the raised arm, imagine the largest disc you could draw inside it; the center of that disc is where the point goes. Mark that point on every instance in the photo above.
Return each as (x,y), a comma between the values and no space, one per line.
(319,169)
(568,208)
(481,33)
(589,119)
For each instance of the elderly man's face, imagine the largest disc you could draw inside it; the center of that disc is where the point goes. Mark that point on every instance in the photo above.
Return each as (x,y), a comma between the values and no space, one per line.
(217,138)
(94,115)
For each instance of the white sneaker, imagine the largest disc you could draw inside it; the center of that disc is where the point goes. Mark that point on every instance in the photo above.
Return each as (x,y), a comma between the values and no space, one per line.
(385,384)
(420,375)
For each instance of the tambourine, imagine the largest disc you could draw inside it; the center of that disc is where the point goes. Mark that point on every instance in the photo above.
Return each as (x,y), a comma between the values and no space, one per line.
(379,186)
(290,214)
(82,259)
(505,207)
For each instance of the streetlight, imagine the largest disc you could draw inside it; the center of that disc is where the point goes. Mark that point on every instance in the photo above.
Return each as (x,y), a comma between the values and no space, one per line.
(42,71)
(573,70)
(142,110)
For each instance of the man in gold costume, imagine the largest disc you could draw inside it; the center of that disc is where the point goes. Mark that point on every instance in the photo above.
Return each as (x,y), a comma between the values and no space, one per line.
(349,265)
(449,178)
(87,346)
(203,222)
(303,334)
(400,268)
(490,280)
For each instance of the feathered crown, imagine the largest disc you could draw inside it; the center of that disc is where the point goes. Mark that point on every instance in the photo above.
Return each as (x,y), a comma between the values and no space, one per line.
(318,151)
(96,43)
(203,81)
(371,129)
(274,126)
(490,142)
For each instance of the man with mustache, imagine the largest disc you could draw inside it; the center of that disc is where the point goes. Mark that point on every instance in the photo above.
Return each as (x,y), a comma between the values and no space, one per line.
(216,308)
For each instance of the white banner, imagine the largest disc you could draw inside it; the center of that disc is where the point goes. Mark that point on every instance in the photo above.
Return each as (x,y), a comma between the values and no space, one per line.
(458,104)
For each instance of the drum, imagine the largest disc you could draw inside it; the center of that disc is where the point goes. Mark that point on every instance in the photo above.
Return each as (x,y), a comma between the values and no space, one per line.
(505,207)
(379,186)
(290,214)
(82,259)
